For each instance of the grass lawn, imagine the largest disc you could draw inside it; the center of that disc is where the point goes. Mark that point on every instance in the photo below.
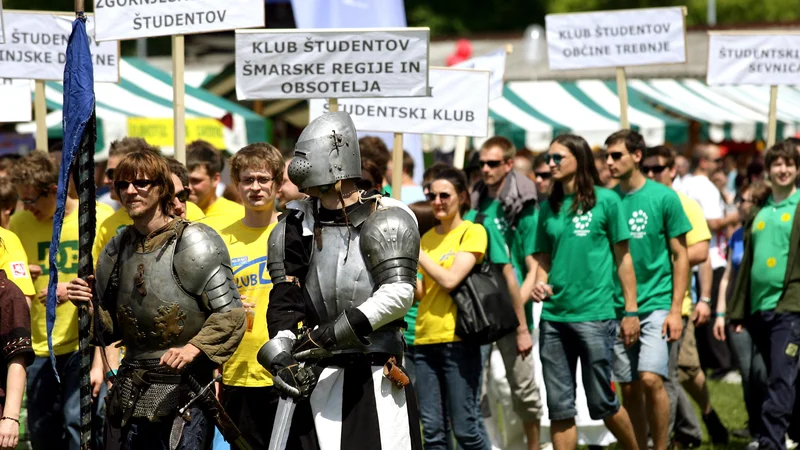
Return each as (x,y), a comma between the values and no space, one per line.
(728,402)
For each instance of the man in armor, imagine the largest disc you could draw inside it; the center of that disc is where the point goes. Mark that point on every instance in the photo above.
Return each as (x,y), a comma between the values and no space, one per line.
(344,264)
(165,289)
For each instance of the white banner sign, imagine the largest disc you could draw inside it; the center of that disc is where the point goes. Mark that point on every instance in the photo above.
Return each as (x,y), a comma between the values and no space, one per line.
(36,48)
(616,38)
(273,64)
(458,105)
(16,95)
(494,62)
(133,19)
(2,29)
(753,59)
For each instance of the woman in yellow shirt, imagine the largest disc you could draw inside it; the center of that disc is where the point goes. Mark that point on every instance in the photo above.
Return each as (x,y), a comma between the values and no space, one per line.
(448,369)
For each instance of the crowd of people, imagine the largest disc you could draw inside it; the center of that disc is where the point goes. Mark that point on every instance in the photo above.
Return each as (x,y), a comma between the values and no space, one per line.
(291,281)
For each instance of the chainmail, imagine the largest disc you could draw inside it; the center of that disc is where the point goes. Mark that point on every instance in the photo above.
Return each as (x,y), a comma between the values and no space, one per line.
(155,400)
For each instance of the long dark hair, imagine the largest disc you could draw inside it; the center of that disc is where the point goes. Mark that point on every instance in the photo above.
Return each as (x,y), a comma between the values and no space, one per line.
(425,218)
(458,179)
(586,176)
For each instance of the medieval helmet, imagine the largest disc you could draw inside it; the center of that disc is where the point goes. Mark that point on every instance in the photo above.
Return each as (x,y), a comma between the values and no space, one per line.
(326,152)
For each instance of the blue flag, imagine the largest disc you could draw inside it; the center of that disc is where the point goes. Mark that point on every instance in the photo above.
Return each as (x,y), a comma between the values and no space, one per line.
(78,111)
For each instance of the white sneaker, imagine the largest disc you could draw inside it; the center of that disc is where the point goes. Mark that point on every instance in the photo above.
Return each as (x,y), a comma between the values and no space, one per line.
(790,444)
(732,377)
(752,445)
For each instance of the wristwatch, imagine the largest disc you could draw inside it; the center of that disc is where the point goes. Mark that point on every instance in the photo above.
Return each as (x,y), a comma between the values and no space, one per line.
(705,300)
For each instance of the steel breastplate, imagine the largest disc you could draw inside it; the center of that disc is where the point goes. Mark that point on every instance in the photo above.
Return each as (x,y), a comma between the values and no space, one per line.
(153,312)
(338,280)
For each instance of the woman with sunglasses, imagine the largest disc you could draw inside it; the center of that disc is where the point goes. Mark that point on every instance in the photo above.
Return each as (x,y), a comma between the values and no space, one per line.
(448,369)
(581,241)
(750,361)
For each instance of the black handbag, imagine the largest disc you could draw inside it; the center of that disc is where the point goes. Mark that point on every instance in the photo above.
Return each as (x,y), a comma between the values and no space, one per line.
(485,310)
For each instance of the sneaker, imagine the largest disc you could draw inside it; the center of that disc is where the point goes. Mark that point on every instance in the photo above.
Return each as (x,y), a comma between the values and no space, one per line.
(681,442)
(752,445)
(790,444)
(717,431)
(741,433)
(732,377)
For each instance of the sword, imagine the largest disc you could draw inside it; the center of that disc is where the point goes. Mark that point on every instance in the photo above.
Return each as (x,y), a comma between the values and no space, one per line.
(282,424)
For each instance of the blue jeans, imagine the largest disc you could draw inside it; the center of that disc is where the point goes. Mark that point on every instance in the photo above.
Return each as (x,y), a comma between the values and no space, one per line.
(561,344)
(450,373)
(141,434)
(54,410)
(777,337)
(754,375)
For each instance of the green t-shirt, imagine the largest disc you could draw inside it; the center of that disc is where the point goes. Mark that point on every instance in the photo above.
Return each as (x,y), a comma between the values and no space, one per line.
(582,259)
(654,215)
(772,229)
(519,240)
(411,320)
(497,248)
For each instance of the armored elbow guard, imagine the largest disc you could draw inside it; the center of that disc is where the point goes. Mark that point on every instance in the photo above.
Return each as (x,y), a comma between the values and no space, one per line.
(390,244)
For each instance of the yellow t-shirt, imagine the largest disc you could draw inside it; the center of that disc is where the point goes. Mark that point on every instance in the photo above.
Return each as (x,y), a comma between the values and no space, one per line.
(193,212)
(223,213)
(436,314)
(15,262)
(35,237)
(247,248)
(103,211)
(120,219)
(699,233)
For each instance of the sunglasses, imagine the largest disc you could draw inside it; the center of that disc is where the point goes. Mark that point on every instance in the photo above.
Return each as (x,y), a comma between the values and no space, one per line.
(492,164)
(544,175)
(431,196)
(122,185)
(657,169)
(616,156)
(110,173)
(555,158)
(183,196)
(31,202)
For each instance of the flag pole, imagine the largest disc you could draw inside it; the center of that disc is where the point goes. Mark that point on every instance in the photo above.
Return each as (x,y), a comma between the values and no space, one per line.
(86,229)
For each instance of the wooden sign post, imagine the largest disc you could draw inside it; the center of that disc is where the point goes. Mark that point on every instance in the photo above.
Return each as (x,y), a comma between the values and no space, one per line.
(49,55)
(40,115)
(622,93)
(753,58)
(178,98)
(619,39)
(131,20)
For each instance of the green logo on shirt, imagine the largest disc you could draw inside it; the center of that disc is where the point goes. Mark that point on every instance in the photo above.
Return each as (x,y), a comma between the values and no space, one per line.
(582,222)
(638,223)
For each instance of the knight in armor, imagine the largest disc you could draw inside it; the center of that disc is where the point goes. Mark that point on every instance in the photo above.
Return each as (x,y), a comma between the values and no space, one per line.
(344,265)
(164,289)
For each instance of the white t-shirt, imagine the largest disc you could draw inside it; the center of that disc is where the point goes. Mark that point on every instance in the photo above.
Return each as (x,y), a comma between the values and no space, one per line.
(680,183)
(702,190)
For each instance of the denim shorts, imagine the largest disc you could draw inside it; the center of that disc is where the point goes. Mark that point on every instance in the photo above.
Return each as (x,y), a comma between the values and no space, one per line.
(561,345)
(649,354)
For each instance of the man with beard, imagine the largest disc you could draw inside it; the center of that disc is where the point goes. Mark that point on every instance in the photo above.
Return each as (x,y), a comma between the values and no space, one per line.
(165,290)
